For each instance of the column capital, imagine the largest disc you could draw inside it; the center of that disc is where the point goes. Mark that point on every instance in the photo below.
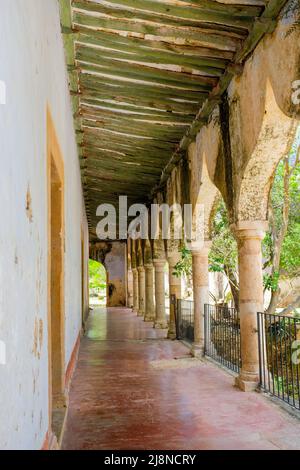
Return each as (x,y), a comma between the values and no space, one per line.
(250,229)
(141,269)
(173,258)
(148,265)
(159,262)
(204,250)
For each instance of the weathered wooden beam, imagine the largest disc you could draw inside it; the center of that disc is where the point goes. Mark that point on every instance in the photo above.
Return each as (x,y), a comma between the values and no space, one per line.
(136,119)
(92,137)
(157,135)
(138,108)
(109,86)
(92,143)
(88,59)
(150,130)
(190,104)
(159,10)
(151,100)
(133,44)
(191,35)
(205,65)
(148,104)
(117,114)
(250,8)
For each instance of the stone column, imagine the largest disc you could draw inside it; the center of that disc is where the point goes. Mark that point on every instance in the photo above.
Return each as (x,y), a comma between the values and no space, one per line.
(135,289)
(160,309)
(249,236)
(141,277)
(129,288)
(174,289)
(149,298)
(201,295)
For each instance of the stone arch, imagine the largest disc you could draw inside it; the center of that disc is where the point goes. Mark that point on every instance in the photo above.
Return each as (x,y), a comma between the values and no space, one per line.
(274,140)
(263,116)
(202,156)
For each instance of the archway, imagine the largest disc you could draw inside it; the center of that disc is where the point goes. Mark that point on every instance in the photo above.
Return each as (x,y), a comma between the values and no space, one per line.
(97,284)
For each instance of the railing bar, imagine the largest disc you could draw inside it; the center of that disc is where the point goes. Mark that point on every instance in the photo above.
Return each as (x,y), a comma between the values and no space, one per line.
(291,353)
(297,366)
(276,357)
(259,349)
(292,368)
(271,349)
(287,370)
(266,353)
(281,361)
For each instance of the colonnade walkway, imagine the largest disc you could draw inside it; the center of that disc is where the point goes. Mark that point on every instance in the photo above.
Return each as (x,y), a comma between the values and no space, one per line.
(133,389)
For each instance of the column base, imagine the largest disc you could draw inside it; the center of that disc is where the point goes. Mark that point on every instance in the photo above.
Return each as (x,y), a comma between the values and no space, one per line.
(247,384)
(161,325)
(197,350)
(171,334)
(140,314)
(149,319)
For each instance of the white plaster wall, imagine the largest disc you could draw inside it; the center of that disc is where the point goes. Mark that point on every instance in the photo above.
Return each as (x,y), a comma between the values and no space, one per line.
(33,67)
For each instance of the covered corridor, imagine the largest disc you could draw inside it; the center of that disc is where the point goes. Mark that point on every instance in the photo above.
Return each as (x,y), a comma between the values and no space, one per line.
(134,389)
(124,126)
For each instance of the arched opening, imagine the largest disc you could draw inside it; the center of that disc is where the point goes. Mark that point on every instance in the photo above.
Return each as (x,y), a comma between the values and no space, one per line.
(97,284)
(223,259)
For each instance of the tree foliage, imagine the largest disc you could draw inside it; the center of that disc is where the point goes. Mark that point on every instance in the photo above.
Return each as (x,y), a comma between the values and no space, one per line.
(97,276)
(281,246)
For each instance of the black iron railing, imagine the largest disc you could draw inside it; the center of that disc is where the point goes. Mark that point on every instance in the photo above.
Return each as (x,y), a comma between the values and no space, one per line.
(279,352)
(185,320)
(222,336)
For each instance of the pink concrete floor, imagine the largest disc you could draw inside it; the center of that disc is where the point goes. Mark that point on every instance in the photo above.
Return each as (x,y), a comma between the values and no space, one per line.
(119,401)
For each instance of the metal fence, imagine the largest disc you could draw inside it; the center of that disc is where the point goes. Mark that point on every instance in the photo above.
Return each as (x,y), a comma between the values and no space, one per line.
(279,352)
(222,336)
(185,320)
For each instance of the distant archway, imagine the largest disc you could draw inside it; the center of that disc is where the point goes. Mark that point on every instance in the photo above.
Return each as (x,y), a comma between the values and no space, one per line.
(97,283)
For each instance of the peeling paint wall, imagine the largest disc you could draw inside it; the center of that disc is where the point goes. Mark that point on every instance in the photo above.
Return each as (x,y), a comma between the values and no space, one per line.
(32,65)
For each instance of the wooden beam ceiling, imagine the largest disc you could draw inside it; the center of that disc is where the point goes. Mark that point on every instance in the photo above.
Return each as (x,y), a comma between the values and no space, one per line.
(144,77)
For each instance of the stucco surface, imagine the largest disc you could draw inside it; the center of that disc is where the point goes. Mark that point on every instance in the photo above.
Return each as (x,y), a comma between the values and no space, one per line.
(33,68)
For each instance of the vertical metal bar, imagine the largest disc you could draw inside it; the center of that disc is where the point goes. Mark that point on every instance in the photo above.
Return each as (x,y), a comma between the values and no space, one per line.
(292,369)
(259,348)
(281,361)
(276,355)
(271,347)
(296,365)
(287,368)
(291,353)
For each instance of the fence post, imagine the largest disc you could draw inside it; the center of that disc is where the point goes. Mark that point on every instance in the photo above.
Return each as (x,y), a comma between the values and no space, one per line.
(173,305)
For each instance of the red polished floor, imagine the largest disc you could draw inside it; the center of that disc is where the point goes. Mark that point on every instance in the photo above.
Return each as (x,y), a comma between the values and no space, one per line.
(119,401)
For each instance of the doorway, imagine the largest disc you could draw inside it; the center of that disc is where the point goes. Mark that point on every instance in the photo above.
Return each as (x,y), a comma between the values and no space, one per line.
(56,283)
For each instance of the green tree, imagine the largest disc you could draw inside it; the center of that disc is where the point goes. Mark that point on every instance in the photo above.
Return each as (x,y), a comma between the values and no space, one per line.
(223,255)
(97,275)
(281,246)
